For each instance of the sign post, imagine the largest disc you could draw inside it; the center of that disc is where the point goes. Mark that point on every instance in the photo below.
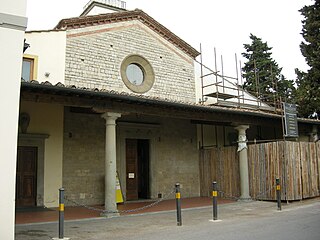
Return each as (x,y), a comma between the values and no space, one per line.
(290,120)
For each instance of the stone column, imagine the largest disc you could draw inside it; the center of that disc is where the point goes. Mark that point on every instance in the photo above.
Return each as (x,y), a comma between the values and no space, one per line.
(314,134)
(243,158)
(110,161)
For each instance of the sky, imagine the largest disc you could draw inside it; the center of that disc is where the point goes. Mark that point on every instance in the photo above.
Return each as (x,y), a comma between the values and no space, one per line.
(224,25)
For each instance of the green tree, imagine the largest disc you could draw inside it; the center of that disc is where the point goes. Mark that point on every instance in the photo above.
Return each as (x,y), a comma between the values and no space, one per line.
(308,92)
(262,74)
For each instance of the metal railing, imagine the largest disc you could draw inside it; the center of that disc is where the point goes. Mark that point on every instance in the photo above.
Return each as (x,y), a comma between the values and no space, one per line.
(114,3)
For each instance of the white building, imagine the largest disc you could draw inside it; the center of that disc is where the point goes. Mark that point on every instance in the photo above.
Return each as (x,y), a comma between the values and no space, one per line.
(12,25)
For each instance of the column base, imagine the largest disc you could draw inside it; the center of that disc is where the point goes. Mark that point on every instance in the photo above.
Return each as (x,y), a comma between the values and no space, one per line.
(60,238)
(245,199)
(109,215)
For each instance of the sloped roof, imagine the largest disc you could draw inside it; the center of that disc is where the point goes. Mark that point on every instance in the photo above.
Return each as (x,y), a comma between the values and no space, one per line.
(63,90)
(59,88)
(95,94)
(122,16)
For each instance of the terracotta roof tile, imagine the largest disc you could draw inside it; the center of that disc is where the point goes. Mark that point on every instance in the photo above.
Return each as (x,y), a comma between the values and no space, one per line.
(144,97)
(157,100)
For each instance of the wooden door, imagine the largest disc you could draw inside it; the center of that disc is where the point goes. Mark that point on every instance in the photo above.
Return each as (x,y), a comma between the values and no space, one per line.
(132,168)
(26,180)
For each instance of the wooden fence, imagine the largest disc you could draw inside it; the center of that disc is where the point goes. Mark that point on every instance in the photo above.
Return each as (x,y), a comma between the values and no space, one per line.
(297,164)
(221,165)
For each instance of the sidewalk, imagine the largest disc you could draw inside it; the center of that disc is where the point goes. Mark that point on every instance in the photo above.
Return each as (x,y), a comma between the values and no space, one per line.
(146,225)
(39,215)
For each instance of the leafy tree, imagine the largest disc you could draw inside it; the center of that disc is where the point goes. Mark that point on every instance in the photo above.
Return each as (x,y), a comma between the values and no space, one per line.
(263,74)
(308,92)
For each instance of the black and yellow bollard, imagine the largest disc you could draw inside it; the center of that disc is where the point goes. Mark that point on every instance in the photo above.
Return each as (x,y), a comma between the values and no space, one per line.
(178,204)
(61,216)
(61,213)
(278,190)
(215,201)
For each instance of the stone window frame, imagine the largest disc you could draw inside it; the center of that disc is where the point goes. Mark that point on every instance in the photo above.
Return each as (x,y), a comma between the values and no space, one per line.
(33,70)
(147,69)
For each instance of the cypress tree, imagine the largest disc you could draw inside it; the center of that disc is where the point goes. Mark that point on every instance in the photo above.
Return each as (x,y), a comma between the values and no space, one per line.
(262,74)
(308,92)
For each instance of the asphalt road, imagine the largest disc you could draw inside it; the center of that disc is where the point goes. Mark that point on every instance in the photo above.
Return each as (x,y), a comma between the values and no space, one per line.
(240,221)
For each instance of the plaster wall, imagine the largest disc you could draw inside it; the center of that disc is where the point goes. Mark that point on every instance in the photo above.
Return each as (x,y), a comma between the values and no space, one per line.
(50,50)
(17,7)
(11,56)
(48,119)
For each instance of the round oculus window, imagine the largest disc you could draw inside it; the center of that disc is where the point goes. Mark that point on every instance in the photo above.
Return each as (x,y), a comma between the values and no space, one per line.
(135,74)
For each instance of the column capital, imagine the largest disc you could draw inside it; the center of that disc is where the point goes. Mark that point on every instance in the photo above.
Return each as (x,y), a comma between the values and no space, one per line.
(242,138)
(242,128)
(111,115)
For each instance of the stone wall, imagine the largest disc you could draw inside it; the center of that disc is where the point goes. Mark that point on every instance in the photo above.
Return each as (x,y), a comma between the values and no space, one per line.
(94,56)
(177,159)
(83,157)
(173,155)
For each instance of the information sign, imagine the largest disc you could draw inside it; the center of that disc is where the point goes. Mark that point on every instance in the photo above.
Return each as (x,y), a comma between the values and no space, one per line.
(290,120)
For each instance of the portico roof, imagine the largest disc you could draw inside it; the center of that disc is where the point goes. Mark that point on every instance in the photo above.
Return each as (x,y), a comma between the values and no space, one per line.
(132,103)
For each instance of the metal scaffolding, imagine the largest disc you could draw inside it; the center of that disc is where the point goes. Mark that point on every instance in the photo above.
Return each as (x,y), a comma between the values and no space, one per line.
(220,89)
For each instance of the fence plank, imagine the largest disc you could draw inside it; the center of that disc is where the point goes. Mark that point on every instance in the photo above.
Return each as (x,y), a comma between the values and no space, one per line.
(205,171)
(318,163)
(305,174)
(297,164)
(293,172)
(314,188)
(297,172)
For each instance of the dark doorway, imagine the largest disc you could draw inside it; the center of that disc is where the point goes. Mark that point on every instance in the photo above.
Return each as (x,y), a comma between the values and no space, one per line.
(137,163)
(143,168)
(26,179)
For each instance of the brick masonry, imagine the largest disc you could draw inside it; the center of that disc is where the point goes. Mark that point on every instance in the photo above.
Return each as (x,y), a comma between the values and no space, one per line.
(173,155)
(94,56)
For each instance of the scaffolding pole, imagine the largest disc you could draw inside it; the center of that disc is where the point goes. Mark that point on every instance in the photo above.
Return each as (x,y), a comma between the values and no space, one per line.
(201,72)
(216,69)
(236,59)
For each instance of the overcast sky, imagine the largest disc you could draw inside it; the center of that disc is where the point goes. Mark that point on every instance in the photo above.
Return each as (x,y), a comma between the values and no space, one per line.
(225,25)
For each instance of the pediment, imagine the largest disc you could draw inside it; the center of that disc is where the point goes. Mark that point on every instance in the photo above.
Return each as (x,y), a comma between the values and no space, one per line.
(127,16)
